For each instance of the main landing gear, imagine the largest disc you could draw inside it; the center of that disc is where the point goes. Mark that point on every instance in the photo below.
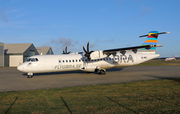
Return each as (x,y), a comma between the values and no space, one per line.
(29,75)
(101,71)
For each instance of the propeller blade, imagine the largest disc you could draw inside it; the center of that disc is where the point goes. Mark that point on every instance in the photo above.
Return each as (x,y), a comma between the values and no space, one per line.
(66,49)
(87,53)
(91,52)
(84,49)
(88,47)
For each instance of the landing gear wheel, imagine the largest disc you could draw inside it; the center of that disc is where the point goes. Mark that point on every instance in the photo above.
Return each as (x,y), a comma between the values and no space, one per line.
(102,72)
(29,76)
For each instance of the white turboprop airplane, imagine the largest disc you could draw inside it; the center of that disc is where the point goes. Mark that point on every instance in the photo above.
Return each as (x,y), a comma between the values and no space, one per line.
(170,59)
(93,61)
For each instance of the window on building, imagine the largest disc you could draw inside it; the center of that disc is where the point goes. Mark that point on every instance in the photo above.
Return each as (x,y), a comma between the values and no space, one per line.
(31,53)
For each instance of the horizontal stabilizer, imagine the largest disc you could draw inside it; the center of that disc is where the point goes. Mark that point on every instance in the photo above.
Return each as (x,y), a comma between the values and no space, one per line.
(155,34)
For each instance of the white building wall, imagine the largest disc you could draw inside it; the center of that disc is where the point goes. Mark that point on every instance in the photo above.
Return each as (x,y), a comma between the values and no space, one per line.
(1,54)
(15,60)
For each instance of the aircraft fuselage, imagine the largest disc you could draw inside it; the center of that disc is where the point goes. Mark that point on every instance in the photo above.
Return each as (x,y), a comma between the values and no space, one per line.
(74,62)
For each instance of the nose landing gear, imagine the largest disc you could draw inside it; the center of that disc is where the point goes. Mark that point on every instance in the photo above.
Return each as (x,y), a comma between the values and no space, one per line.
(29,75)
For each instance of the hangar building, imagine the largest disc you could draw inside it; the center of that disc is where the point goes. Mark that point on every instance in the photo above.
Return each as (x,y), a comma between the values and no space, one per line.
(1,54)
(44,50)
(16,54)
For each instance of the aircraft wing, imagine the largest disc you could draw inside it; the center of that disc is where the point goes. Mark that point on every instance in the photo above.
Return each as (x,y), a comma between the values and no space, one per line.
(134,49)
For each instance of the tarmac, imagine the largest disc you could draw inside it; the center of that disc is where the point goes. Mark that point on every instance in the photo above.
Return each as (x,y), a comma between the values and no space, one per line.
(13,80)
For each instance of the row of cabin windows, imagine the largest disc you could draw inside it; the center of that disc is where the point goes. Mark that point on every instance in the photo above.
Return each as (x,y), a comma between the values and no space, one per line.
(105,59)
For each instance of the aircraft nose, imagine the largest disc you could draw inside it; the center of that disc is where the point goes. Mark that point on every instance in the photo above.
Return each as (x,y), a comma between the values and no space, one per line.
(20,68)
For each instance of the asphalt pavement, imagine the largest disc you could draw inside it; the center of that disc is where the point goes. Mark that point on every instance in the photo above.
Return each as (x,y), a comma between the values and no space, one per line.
(13,80)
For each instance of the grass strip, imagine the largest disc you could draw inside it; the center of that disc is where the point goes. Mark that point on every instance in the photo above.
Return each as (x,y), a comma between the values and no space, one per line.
(157,96)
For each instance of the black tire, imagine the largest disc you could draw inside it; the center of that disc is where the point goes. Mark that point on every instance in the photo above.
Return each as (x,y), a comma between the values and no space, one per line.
(102,72)
(29,76)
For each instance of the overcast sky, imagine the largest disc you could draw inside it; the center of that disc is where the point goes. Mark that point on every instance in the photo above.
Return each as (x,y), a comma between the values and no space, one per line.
(107,24)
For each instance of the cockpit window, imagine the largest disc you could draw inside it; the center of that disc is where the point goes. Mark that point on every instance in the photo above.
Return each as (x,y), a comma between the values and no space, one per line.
(32,60)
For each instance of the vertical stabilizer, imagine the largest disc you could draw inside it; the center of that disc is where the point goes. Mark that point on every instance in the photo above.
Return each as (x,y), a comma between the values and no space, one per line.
(151,40)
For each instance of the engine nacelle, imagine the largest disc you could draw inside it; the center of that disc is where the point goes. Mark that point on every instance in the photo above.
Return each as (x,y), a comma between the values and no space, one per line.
(89,69)
(98,55)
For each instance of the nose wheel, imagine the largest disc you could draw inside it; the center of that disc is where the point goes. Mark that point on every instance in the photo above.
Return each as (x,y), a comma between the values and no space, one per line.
(29,75)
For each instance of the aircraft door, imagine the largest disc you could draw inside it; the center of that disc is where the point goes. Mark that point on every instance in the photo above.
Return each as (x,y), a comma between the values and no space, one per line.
(50,63)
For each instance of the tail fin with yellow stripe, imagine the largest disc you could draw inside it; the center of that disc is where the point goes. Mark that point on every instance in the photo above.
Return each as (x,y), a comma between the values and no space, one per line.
(151,40)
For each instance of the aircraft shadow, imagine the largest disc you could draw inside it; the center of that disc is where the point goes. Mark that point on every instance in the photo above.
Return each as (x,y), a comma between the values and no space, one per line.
(114,69)
(58,73)
(73,72)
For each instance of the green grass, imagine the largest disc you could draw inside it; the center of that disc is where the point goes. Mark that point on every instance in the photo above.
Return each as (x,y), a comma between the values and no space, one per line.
(158,96)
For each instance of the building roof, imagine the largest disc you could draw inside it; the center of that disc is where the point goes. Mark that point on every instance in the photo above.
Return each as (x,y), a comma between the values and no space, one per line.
(43,50)
(16,48)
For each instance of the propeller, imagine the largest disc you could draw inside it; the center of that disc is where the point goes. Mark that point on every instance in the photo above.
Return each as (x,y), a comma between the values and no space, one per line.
(65,52)
(87,53)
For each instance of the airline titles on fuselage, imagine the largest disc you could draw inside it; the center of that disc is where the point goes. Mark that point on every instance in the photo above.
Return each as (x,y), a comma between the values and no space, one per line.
(68,66)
